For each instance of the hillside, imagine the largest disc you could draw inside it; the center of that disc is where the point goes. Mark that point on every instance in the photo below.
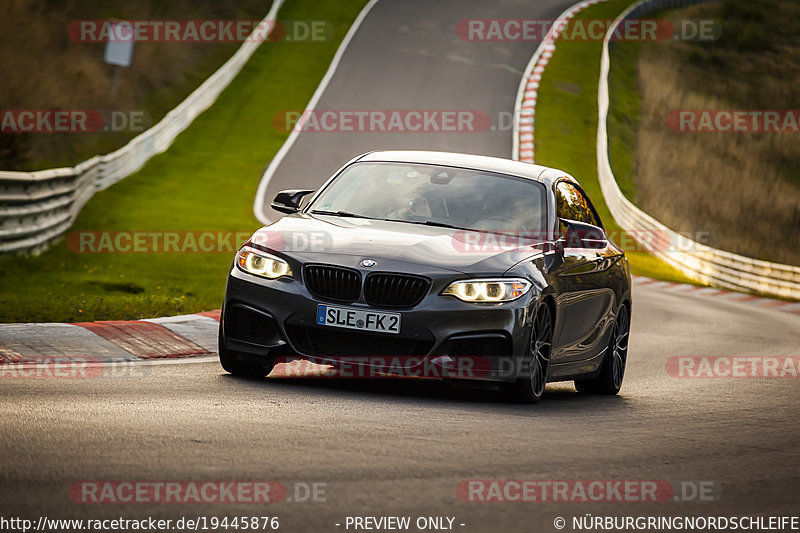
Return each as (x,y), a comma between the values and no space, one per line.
(44,69)
(737,189)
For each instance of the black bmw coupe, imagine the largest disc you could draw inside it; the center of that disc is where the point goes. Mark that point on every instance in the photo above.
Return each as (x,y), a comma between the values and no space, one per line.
(436,265)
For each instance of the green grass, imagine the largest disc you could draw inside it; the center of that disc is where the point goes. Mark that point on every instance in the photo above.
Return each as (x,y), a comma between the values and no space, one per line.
(205,181)
(566,127)
(623,115)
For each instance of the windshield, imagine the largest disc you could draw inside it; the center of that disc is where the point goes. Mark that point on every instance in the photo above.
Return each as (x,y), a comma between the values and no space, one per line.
(437,195)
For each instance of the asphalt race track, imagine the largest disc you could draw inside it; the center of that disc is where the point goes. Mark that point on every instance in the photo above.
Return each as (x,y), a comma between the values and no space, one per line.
(407,55)
(401,448)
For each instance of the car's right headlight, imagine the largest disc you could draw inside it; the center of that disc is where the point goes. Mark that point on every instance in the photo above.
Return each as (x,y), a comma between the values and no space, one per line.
(488,290)
(262,264)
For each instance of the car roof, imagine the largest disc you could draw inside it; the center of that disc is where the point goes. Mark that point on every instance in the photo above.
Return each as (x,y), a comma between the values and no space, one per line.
(546,175)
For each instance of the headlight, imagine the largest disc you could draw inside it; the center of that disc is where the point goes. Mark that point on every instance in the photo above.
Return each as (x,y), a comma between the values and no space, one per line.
(488,290)
(261,264)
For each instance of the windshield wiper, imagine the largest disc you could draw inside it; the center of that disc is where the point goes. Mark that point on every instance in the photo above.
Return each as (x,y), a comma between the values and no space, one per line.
(438,224)
(337,213)
(446,225)
(425,223)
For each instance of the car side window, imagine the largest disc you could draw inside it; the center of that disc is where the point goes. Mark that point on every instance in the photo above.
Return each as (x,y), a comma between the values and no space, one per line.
(572,204)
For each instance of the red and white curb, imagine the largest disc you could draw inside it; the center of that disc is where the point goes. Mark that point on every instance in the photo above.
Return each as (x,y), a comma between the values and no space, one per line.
(732,296)
(529,86)
(185,336)
(193,338)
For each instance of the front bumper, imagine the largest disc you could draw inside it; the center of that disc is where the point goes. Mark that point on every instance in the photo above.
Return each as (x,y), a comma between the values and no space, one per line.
(439,337)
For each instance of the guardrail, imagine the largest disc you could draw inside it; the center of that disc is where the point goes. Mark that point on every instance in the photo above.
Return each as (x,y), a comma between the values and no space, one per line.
(697,261)
(36,208)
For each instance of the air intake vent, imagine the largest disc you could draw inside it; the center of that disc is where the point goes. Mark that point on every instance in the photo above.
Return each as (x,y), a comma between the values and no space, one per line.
(342,343)
(395,290)
(246,325)
(333,283)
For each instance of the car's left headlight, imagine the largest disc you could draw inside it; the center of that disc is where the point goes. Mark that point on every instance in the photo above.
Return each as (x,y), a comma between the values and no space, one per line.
(262,264)
(488,290)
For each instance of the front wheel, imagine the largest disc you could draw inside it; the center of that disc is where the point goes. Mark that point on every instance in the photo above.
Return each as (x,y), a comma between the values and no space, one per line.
(529,387)
(609,381)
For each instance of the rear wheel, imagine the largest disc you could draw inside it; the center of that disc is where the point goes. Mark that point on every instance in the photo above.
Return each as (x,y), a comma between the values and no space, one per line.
(529,387)
(609,381)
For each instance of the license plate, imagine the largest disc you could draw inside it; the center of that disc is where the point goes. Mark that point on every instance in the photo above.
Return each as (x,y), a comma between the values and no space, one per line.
(342,317)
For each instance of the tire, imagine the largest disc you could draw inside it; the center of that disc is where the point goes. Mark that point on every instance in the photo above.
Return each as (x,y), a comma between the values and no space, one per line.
(529,387)
(609,380)
(233,364)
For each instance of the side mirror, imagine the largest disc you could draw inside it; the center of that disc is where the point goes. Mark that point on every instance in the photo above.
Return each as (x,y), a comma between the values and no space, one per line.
(576,234)
(289,201)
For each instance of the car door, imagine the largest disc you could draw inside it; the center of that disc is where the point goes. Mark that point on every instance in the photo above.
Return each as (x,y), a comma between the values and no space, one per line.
(585,300)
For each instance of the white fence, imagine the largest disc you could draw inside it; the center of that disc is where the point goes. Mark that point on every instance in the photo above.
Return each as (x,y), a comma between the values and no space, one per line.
(697,261)
(37,208)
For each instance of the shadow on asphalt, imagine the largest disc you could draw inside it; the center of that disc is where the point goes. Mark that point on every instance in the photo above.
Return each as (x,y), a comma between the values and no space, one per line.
(557,395)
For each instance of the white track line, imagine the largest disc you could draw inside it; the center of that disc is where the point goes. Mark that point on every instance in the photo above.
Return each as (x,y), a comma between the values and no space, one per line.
(261,192)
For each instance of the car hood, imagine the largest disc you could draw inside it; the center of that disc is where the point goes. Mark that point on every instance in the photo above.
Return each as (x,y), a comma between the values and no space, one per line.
(312,238)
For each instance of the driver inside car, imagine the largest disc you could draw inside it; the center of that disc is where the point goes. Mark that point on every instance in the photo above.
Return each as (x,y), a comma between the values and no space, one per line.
(414,209)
